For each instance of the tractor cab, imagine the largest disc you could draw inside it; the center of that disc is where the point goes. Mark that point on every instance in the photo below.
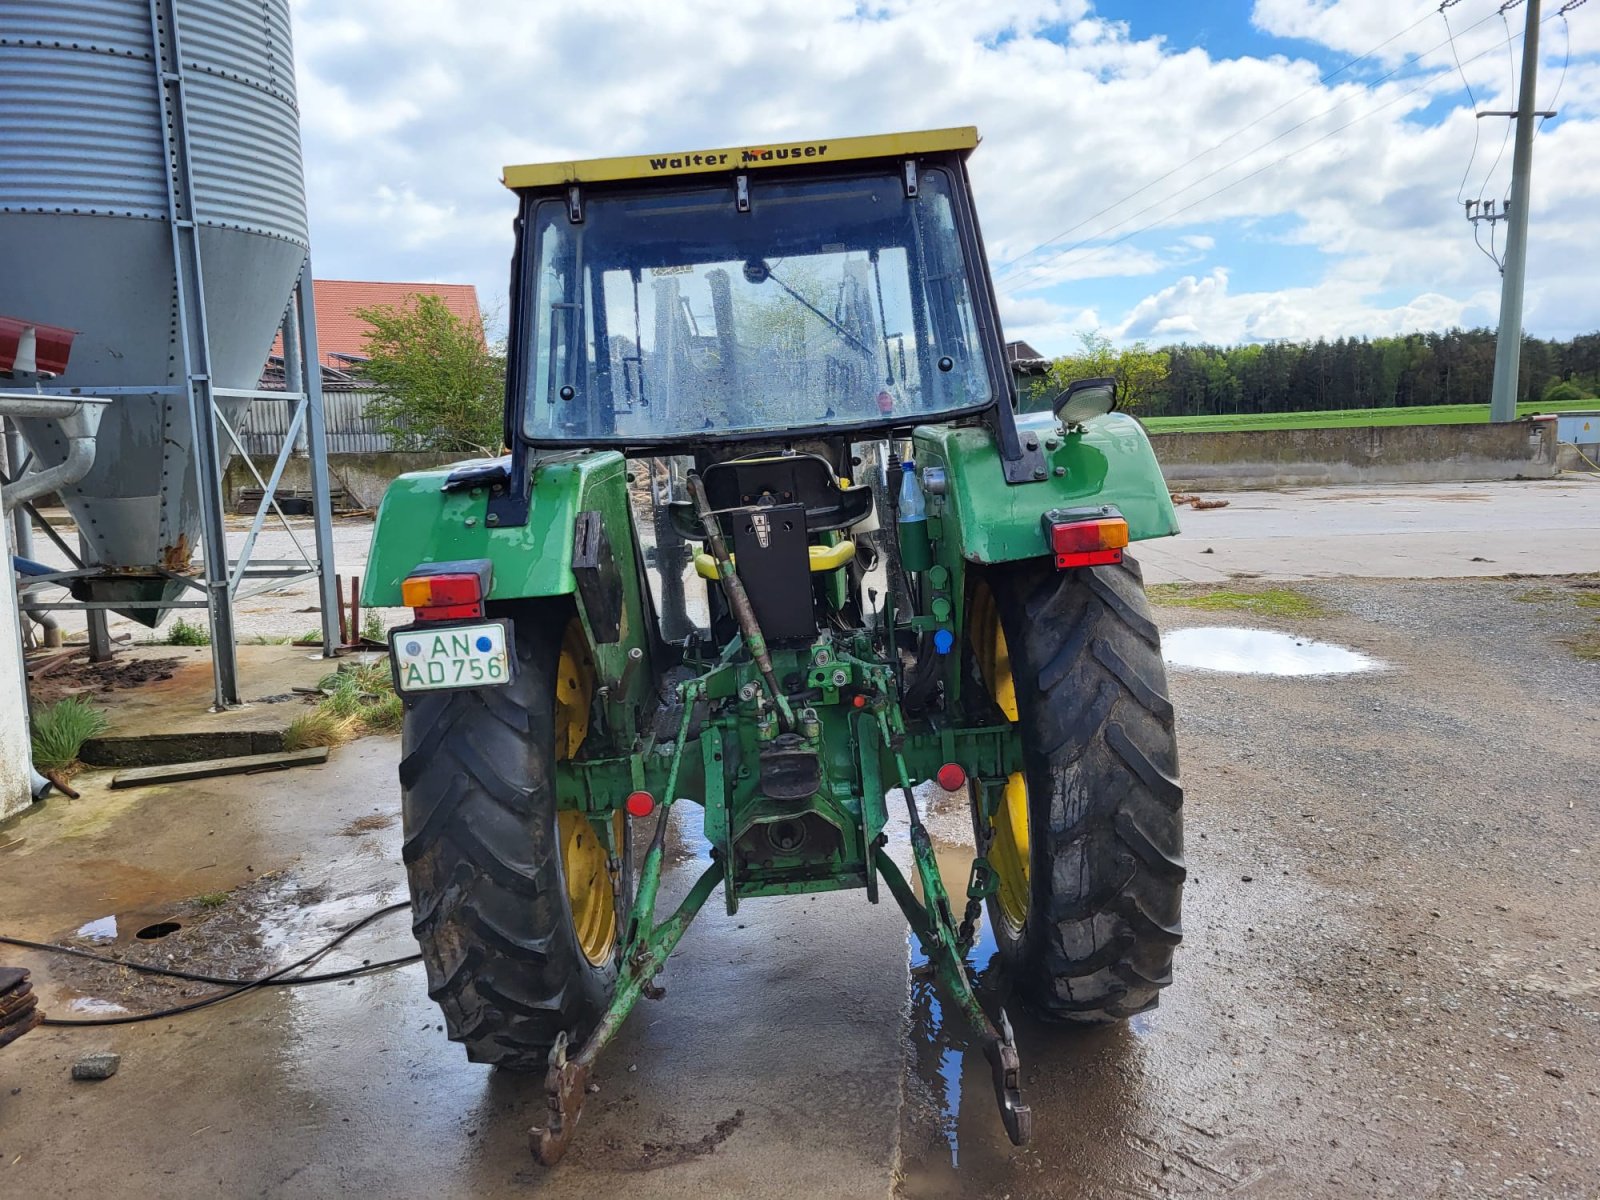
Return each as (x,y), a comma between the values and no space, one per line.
(759,295)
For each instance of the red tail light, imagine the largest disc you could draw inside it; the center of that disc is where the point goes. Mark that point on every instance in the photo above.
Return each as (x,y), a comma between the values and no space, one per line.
(1086,538)
(442,591)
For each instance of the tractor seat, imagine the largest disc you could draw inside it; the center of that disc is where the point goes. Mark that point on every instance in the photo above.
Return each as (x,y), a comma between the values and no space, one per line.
(823,559)
(776,479)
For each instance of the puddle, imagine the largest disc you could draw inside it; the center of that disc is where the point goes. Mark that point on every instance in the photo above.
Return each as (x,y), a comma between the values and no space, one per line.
(1241,651)
(103,930)
(940,1035)
(91,1006)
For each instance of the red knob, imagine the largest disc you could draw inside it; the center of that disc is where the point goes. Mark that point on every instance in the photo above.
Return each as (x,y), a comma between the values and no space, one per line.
(640,804)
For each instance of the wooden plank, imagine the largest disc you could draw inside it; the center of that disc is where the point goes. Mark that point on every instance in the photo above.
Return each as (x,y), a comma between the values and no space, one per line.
(11,1033)
(17,1005)
(238,765)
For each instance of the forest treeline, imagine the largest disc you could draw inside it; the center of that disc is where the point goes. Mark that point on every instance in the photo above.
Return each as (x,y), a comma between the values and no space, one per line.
(1454,367)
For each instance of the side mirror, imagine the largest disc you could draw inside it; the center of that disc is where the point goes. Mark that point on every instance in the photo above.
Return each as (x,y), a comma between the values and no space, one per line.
(1085,399)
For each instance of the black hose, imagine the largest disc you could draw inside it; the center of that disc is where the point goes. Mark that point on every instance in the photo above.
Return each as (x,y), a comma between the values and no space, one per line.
(237,986)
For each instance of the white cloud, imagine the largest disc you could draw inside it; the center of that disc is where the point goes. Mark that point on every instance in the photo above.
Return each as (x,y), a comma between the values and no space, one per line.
(1202,308)
(411,107)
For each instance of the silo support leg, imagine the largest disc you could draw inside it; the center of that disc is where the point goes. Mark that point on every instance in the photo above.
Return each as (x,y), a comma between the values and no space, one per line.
(304,308)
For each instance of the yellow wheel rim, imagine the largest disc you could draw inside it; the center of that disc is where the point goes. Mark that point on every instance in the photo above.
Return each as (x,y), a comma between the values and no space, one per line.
(585,862)
(1007,842)
(587,867)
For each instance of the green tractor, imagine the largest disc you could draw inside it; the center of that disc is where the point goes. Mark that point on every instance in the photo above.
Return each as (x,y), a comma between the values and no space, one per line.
(775,536)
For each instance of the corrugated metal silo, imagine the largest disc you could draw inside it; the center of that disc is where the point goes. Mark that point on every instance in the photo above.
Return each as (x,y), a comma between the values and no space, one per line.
(92,142)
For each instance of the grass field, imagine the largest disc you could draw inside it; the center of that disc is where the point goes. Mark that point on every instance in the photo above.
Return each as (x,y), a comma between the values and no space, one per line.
(1426,414)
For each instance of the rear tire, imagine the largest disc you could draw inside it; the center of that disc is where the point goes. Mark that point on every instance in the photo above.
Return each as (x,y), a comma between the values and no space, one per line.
(1104,806)
(483,855)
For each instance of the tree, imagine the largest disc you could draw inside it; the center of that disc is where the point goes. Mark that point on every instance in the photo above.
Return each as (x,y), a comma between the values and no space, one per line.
(1138,370)
(442,387)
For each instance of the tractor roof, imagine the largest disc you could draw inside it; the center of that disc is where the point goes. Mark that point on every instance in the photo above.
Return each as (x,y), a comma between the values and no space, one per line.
(742,158)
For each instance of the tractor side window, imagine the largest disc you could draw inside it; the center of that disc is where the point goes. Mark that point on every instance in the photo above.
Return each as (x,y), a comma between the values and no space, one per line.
(950,297)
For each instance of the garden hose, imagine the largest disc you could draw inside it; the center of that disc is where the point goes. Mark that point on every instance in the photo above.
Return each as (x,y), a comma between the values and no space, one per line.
(277,978)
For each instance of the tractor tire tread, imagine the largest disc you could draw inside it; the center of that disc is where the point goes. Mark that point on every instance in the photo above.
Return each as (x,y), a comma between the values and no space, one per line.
(1100,751)
(489,909)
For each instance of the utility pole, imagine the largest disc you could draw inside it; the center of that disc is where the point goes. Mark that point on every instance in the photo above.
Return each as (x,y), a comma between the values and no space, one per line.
(1508,346)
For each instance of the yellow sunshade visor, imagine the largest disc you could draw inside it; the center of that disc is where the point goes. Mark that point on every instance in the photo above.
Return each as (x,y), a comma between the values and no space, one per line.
(963,138)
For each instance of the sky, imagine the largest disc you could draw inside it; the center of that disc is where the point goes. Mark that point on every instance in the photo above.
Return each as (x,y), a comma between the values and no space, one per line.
(1150,169)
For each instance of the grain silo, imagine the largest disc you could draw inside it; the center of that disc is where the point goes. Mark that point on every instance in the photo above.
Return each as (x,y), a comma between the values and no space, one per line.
(153,200)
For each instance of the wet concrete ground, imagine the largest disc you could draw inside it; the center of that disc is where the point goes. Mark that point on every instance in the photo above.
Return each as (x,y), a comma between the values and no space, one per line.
(1390,979)
(1389,983)
(1410,531)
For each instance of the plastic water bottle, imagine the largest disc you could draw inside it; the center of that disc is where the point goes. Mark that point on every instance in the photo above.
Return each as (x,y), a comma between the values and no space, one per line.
(912,506)
(915,551)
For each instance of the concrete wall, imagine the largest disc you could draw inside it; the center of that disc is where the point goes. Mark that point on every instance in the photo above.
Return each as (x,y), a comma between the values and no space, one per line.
(364,477)
(1372,454)
(1272,458)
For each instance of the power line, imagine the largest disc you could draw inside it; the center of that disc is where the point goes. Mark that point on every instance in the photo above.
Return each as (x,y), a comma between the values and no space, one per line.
(1471,99)
(1034,267)
(1511,57)
(1245,178)
(1566,60)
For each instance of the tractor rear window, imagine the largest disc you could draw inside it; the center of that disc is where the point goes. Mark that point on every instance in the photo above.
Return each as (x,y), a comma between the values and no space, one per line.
(667,315)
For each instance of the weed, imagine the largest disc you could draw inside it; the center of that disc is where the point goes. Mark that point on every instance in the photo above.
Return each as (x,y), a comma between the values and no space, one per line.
(1268,602)
(1586,600)
(357,699)
(1542,595)
(384,716)
(182,633)
(372,627)
(1587,645)
(211,899)
(315,728)
(60,730)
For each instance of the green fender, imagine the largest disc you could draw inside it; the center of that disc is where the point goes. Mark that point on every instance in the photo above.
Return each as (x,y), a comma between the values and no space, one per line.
(419,522)
(982,519)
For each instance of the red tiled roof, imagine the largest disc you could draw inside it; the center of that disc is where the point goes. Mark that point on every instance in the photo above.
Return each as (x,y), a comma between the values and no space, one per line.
(341,332)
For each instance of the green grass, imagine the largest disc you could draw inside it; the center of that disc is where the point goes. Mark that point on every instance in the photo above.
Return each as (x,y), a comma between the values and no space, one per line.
(357,700)
(1268,602)
(372,627)
(61,729)
(1424,414)
(319,727)
(211,899)
(182,633)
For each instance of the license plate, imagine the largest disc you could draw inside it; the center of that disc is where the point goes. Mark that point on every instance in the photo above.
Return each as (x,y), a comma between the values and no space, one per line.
(429,659)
